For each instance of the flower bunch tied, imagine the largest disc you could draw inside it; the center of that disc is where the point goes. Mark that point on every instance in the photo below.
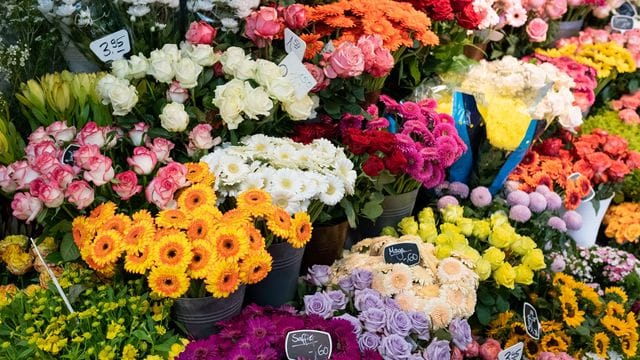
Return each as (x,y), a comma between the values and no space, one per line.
(623,222)
(619,123)
(194,244)
(382,325)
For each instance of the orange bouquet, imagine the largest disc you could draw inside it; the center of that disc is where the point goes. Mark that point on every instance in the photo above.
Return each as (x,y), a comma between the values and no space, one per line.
(623,222)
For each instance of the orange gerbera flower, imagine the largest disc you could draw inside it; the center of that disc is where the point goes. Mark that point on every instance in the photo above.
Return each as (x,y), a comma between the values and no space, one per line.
(196,196)
(198,173)
(172,218)
(583,185)
(82,231)
(198,228)
(230,243)
(223,279)
(314,45)
(138,234)
(201,259)
(173,251)
(300,230)
(572,198)
(143,216)
(542,178)
(102,213)
(118,222)
(340,22)
(106,247)
(381,27)
(138,261)
(256,267)
(279,222)
(256,240)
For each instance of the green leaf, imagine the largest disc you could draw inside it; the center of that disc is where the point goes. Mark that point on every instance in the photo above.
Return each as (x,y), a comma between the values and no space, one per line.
(372,210)
(68,249)
(582,330)
(414,70)
(486,299)
(142,335)
(501,304)
(484,314)
(349,212)
(73,293)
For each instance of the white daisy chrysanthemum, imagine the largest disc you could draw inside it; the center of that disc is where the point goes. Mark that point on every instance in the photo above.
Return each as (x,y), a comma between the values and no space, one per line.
(451,270)
(334,192)
(308,190)
(254,180)
(439,312)
(283,156)
(283,199)
(256,144)
(285,180)
(232,170)
(344,170)
(399,279)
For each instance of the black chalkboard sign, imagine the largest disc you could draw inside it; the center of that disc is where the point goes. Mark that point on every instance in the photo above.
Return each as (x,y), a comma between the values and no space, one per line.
(622,22)
(402,253)
(512,353)
(308,345)
(626,9)
(531,321)
(67,155)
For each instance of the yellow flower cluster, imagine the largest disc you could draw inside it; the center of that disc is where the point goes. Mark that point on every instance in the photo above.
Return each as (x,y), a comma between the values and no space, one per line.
(623,222)
(607,58)
(14,252)
(506,119)
(501,246)
(194,241)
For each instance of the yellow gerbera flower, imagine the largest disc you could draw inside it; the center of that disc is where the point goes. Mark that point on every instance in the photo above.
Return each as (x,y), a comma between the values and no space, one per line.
(138,235)
(143,215)
(198,173)
(118,222)
(300,230)
(167,282)
(106,247)
(82,231)
(102,213)
(172,218)
(257,202)
(196,196)
(201,259)
(256,267)
(138,261)
(223,278)
(279,222)
(173,251)
(230,243)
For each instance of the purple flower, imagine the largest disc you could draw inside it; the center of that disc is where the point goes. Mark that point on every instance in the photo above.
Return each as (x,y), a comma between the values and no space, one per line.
(421,325)
(543,189)
(481,197)
(447,150)
(260,328)
(357,326)
(378,123)
(318,274)
(338,299)
(558,264)
(361,279)
(573,220)
(369,341)
(395,347)
(346,284)
(460,333)
(444,129)
(537,202)
(367,299)
(239,353)
(557,224)
(511,186)
(459,189)
(520,213)
(198,349)
(438,350)
(554,201)
(373,319)
(318,304)
(351,121)
(440,189)
(445,201)
(433,175)
(398,322)
(390,304)
(518,197)
(266,353)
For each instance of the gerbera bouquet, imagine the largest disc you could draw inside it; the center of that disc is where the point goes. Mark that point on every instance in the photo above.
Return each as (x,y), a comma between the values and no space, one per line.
(260,332)
(575,319)
(299,177)
(387,326)
(443,289)
(623,222)
(193,241)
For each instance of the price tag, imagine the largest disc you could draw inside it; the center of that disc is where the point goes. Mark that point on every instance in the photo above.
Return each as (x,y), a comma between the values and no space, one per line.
(531,321)
(308,345)
(402,253)
(111,47)
(328,48)
(294,44)
(622,23)
(67,155)
(626,9)
(512,353)
(299,76)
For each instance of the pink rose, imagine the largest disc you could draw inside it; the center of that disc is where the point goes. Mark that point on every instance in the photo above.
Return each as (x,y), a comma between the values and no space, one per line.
(80,193)
(34,150)
(490,349)
(126,185)
(378,60)
(201,33)
(346,61)
(321,81)
(473,350)
(162,147)
(143,161)
(200,137)
(629,116)
(138,133)
(61,132)
(91,134)
(176,93)
(633,37)
(546,356)
(175,171)
(601,12)
(262,25)
(383,64)
(84,154)
(61,174)
(456,354)
(533,4)
(555,8)
(101,170)
(45,163)
(23,174)
(40,134)
(160,192)
(6,181)
(583,98)
(599,36)
(630,102)
(51,196)
(295,16)
(25,206)
(575,3)
(537,30)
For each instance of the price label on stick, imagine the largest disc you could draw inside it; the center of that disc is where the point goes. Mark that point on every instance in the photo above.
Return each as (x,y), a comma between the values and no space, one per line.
(622,23)
(292,69)
(531,321)
(308,345)
(111,47)
(626,9)
(294,44)
(512,353)
(67,155)
(402,253)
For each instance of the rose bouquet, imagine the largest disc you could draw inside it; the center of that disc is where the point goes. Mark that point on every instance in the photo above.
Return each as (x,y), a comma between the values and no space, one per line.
(623,222)
(260,332)
(381,324)
(575,319)
(193,241)
(627,108)
(299,177)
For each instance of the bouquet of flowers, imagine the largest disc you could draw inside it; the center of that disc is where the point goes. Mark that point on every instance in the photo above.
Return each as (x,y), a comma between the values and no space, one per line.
(623,222)
(193,241)
(260,332)
(627,108)
(628,40)
(382,325)
(470,15)
(599,266)
(299,177)
(620,123)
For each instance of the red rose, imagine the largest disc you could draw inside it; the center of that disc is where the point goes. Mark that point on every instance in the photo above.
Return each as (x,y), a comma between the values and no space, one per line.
(382,141)
(550,147)
(618,170)
(583,167)
(599,161)
(356,141)
(396,162)
(373,166)
(468,19)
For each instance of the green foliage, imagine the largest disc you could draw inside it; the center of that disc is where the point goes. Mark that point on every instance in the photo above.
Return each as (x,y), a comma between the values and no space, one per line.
(608,120)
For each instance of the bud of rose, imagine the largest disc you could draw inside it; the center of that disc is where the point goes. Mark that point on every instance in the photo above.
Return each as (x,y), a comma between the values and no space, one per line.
(200,33)
(295,16)
(176,93)
(138,133)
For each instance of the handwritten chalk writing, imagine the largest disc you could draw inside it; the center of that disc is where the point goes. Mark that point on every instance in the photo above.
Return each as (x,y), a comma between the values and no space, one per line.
(308,345)
(111,47)
(531,321)
(404,253)
(512,353)
(292,69)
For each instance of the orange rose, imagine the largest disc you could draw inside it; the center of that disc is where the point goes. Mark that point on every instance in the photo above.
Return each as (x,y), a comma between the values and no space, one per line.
(618,170)
(599,161)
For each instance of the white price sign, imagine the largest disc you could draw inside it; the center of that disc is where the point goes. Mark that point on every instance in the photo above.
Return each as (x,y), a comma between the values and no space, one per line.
(294,44)
(299,76)
(111,47)
(512,353)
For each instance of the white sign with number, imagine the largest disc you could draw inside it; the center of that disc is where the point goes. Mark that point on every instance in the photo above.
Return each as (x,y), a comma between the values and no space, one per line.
(111,47)
(299,76)
(512,353)
(294,44)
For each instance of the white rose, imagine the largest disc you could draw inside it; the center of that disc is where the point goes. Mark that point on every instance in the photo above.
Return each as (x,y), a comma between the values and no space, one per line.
(257,102)
(174,118)
(229,24)
(161,69)
(187,72)
(299,109)
(281,89)
(202,54)
(572,119)
(120,68)
(123,98)
(245,70)
(172,51)
(138,66)
(233,88)
(104,86)
(266,72)
(230,111)
(231,58)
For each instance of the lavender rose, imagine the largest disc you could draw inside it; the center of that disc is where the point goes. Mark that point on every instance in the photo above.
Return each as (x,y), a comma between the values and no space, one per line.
(369,341)
(460,333)
(361,279)
(318,304)
(318,275)
(395,347)
(421,325)
(398,322)
(391,304)
(366,299)
(438,350)
(373,319)
(346,284)
(338,299)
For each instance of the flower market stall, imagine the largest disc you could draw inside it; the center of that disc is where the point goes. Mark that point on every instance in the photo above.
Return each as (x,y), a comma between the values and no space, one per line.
(321,179)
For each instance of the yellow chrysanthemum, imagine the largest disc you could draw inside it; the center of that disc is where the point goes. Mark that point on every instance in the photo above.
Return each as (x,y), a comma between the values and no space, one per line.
(82,231)
(201,259)
(138,261)
(553,342)
(168,282)
(138,235)
(102,213)
(256,240)
(300,230)
(172,219)
(196,196)
(143,216)
(129,352)
(223,278)
(199,228)
(106,247)
(173,251)
(279,222)
(601,344)
(256,267)
(230,243)
(571,313)
(619,294)
(118,222)
(198,173)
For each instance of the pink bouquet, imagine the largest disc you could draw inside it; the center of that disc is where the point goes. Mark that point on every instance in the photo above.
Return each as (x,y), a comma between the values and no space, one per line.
(630,40)
(627,108)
